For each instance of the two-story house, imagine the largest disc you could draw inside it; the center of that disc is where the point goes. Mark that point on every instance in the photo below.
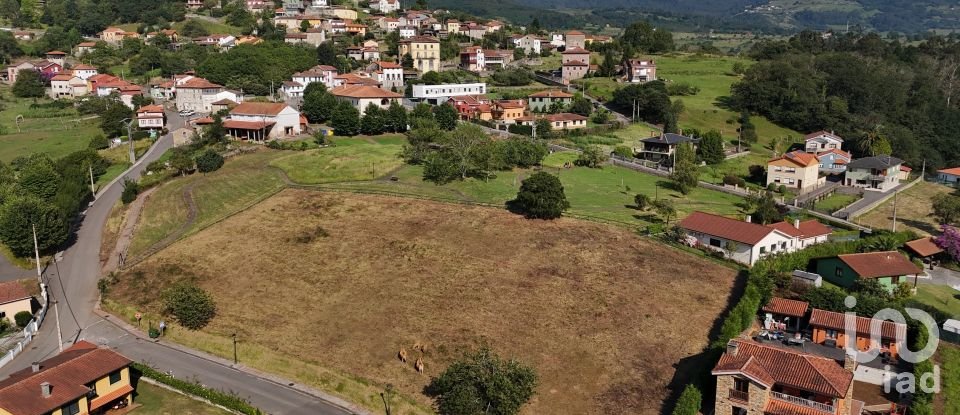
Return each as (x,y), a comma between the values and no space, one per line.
(878,173)
(389,74)
(889,268)
(543,101)
(473,107)
(508,111)
(575,63)
(821,141)
(760,379)
(424,50)
(795,170)
(472,58)
(151,117)
(834,161)
(529,43)
(385,6)
(198,94)
(575,39)
(639,70)
(662,148)
(830,329)
(80,380)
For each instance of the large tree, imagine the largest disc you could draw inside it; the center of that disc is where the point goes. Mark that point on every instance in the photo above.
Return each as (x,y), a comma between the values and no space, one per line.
(464,144)
(483,383)
(686,173)
(711,147)
(541,196)
(643,37)
(18,217)
(30,84)
(446,116)
(345,120)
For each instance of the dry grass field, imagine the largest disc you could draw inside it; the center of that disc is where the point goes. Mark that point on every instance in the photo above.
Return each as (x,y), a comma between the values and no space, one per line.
(332,283)
(914,209)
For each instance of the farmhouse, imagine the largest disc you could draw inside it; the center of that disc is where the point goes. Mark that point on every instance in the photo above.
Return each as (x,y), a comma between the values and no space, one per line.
(261,121)
(361,96)
(879,173)
(830,329)
(755,379)
(890,268)
(795,170)
(821,141)
(82,379)
(741,241)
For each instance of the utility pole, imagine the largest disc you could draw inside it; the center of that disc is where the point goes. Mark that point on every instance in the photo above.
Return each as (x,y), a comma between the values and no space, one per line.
(235,361)
(895,197)
(92,189)
(133,155)
(36,252)
(56,311)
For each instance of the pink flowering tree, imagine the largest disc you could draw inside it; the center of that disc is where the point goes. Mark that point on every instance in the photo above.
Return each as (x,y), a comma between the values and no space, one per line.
(949,240)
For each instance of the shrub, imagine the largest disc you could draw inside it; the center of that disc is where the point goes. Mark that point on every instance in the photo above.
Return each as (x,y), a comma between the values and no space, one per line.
(483,383)
(772,187)
(153,332)
(642,201)
(520,129)
(23,318)
(682,89)
(623,151)
(99,142)
(782,189)
(689,402)
(130,191)
(209,161)
(734,180)
(591,156)
(227,400)
(190,305)
(541,196)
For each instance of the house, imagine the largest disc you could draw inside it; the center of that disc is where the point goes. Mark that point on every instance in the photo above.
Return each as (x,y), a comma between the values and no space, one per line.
(508,111)
(407,32)
(493,26)
(194,4)
(355,29)
(904,174)
(80,380)
(529,44)
(223,104)
(389,74)
(761,379)
(84,47)
(834,161)
(48,69)
(12,71)
(385,6)
(253,40)
(822,141)
(889,268)
(573,54)
(663,147)
(341,12)
(115,36)
(472,59)
(438,94)
(199,94)
(56,57)
(453,27)
(151,117)
(741,241)
(424,50)
(573,70)
(183,136)
(324,74)
(15,297)
(557,41)
(543,101)
(949,176)
(795,170)
(575,39)
(830,329)
(473,107)
(806,233)
(784,314)
(84,72)
(358,78)
(216,40)
(262,121)
(361,96)
(67,85)
(602,39)
(295,38)
(878,173)
(639,70)
(497,58)
(562,121)
(474,31)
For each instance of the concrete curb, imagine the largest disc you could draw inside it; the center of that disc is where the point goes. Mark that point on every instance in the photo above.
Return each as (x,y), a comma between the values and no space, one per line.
(285,383)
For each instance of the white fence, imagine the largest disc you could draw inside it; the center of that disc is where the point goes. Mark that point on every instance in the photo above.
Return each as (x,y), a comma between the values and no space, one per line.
(31,329)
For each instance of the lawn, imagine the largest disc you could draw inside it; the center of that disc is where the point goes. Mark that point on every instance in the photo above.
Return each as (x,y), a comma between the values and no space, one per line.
(211,26)
(358,160)
(950,362)
(601,314)
(942,297)
(914,209)
(159,401)
(835,202)
(52,132)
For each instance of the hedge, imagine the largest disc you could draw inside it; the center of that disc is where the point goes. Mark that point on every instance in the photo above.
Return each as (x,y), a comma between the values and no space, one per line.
(226,400)
(689,402)
(922,403)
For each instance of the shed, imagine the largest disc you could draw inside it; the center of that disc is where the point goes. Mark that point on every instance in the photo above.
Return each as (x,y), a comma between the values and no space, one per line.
(808,278)
(924,248)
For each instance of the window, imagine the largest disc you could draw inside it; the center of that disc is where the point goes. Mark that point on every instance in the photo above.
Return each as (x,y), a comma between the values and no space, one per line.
(773,247)
(115,377)
(763,249)
(71,408)
(831,334)
(838,272)
(741,385)
(895,280)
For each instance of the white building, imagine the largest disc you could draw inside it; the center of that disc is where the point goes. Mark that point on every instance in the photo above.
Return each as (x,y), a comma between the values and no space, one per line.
(822,141)
(407,32)
(261,121)
(558,40)
(198,94)
(436,94)
(385,6)
(389,74)
(528,43)
(746,242)
(150,117)
(321,73)
(361,96)
(84,71)
(67,85)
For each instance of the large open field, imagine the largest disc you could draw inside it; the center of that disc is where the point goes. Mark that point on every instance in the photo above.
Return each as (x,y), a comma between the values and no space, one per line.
(337,283)
(914,209)
(52,132)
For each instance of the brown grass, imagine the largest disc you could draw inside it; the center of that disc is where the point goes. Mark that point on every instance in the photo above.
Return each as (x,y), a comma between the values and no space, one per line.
(914,209)
(344,281)
(111,230)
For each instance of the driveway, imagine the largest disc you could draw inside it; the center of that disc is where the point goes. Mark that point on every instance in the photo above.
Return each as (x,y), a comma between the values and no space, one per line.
(868,198)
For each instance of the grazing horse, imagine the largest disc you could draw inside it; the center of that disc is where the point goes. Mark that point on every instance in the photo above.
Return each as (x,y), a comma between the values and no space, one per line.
(419,365)
(402,355)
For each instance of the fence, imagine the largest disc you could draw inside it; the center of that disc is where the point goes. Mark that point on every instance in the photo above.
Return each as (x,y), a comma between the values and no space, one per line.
(30,331)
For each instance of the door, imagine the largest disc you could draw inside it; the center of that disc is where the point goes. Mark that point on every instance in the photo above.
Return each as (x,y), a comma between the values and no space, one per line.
(799,184)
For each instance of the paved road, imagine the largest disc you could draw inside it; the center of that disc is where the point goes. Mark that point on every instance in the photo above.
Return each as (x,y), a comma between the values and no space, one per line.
(72,282)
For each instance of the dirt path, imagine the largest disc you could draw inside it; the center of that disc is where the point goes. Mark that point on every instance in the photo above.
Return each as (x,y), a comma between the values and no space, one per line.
(126,232)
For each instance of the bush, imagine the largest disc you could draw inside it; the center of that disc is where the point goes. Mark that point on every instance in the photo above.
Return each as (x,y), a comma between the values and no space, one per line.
(541,196)
(623,151)
(483,383)
(227,400)
(209,161)
(689,402)
(682,89)
(190,305)
(23,318)
(130,191)
(772,187)
(99,142)
(734,180)
(782,189)
(153,332)
(591,156)
(520,129)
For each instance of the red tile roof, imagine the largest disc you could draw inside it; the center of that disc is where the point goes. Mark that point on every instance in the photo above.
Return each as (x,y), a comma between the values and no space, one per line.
(836,321)
(389,65)
(822,133)
(150,108)
(56,52)
(768,365)
(259,108)
(575,63)
(924,247)
(68,373)
(787,307)
(565,116)
(954,171)
(799,158)
(363,91)
(198,83)
(880,264)
(575,51)
(11,291)
(778,407)
(726,228)
(808,229)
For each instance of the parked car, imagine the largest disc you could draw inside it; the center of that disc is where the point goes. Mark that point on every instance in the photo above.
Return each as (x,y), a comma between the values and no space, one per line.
(187,113)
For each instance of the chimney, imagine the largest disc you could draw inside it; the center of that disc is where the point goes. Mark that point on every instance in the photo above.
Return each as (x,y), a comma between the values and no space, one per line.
(796,223)
(46,389)
(732,347)
(850,360)
(748,219)
(35,367)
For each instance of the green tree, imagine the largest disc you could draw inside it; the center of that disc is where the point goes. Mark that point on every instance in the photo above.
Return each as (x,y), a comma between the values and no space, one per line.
(581,105)
(318,104)
(686,173)
(407,61)
(190,305)
(345,120)
(711,147)
(591,156)
(29,84)
(608,67)
(464,144)
(181,161)
(446,116)
(18,215)
(130,191)
(115,116)
(689,402)
(9,47)
(304,26)
(439,167)
(643,37)
(373,121)
(483,383)
(642,201)
(664,208)
(40,179)
(519,54)
(327,54)
(422,111)
(748,132)
(23,318)
(766,211)
(215,132)
(396,118)
(193,28)
(543,128)
(946,208)
(541,196)
(209,161)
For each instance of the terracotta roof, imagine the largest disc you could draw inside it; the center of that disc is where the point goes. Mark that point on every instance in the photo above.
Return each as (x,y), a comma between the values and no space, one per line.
(100,401)
(954,171)
(62,76)
(799,158)
(778,407)
(510,104)
(924,247)
(68,373)
(808,229)
(835,151)
(354,79)
(363,91)
(565,116)
(822,133)
(150,108)
(787,307)
(83,67)
(420,39)
(836,321)
(225,101)
(469,99)
(575,51)
(905,168)
(259,108)
(726,228)
(56,52)
(247,125)
(86,44)
(11,291)
(551,93)
(768,364)
(575,33)
(880,264)
(389,65)
(198,83)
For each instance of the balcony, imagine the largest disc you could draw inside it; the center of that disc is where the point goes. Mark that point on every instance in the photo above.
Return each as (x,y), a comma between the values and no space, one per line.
(822,407)
(740,396)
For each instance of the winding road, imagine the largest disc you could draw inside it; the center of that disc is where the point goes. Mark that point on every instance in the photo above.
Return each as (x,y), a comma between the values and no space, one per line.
(72,282)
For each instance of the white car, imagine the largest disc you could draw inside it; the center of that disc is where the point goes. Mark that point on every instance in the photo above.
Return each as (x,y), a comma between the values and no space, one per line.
(187,113)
